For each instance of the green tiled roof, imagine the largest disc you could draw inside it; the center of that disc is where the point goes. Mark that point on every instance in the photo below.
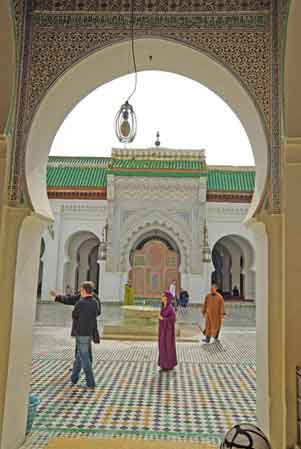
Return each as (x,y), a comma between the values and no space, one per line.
(92,172)
(76,177)
(157,164)
(231,180)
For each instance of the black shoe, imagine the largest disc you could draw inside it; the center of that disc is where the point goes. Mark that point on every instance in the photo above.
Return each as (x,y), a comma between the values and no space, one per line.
(73,382)
(206,340)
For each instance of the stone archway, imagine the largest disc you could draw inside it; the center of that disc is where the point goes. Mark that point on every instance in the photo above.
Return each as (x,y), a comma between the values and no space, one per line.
(78,247)
(146,225)
(235,267)
(282,409)
(87,267)
(108,64)
(111,62)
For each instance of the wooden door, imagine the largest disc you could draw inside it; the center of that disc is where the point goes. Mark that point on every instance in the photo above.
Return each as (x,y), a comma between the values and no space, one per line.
(154,268)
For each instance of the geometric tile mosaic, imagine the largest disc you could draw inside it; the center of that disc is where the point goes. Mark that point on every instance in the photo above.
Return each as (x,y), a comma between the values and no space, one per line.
(233,348)
(212,388)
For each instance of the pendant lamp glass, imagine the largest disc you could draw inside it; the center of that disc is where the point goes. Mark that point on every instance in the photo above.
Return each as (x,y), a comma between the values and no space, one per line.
(126,123)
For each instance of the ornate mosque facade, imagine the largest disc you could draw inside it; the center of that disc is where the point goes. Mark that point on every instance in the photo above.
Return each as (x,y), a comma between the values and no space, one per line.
(149,217)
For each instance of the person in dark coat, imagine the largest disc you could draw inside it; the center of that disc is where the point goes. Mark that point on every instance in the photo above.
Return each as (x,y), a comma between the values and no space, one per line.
(84,325)
(167,334)
(183,298)
(235,291)
(71,300)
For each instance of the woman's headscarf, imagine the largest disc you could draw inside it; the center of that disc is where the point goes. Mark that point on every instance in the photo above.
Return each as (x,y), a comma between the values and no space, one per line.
(169,297)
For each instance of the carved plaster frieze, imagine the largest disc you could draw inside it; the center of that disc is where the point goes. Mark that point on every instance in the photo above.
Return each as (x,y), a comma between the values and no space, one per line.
(153,5)
(61,44)
(146,188)
(154,222)
(83,208)
(147,216)
(226,213)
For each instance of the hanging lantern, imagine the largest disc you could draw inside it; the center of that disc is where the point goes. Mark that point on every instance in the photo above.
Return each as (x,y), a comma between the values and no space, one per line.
(206,247)
(103,244)
(126,123)
(102,251)
(206,254)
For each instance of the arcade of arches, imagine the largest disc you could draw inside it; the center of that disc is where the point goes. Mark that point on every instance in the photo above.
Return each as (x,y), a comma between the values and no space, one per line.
(81,263)
(234,273)
(275,217)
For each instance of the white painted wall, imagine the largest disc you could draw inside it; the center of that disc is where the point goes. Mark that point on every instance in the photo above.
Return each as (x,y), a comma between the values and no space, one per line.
(226,219)
(76,220)
(71,217)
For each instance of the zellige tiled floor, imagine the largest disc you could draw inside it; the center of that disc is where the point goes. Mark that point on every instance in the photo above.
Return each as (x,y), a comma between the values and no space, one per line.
(212,388)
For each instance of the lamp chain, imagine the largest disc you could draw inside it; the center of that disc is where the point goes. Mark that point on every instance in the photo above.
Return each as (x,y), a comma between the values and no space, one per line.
(133,49)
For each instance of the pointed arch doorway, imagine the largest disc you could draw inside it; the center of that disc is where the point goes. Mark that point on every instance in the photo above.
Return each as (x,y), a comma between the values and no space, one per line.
(155,263)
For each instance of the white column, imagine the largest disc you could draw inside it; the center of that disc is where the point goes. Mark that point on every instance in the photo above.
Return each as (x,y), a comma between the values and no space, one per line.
(262,328)
(20,349)
(50,258)
(235,268)
(61,256)
(250,284)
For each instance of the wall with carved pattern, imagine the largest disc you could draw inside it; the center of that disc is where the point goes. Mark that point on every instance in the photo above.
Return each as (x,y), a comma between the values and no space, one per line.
(133,211)
(245,36)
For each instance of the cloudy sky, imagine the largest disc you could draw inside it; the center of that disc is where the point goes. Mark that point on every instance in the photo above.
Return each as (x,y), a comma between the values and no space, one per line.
(187,114)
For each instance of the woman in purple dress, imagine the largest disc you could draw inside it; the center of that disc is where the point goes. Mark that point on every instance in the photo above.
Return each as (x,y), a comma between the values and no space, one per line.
(167,335)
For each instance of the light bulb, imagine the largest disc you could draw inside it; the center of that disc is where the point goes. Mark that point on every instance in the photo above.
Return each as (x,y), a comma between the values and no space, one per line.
(125,128)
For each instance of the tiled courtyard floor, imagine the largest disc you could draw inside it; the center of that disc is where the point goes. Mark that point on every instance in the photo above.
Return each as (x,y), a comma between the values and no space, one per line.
(212,388)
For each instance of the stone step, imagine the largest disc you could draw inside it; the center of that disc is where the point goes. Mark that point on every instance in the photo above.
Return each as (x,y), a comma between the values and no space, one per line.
(140,331)
(125,337)
(123,443)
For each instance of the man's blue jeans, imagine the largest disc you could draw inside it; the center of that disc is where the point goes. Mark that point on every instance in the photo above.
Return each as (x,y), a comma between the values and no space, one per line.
(83,361)
(90,351)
